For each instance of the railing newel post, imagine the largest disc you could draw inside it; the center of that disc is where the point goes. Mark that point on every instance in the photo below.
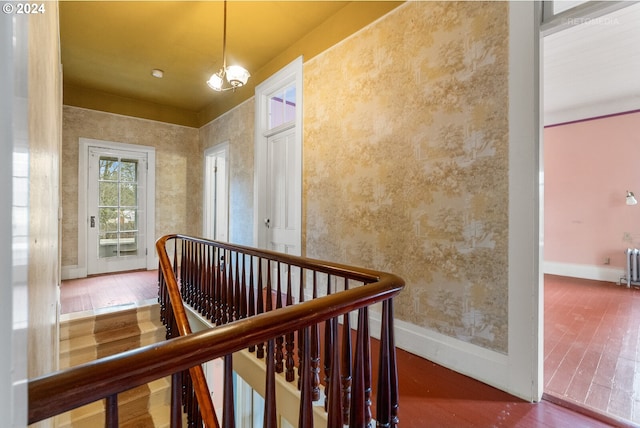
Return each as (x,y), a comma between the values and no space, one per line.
(260,296)
(237,293)
(111,411)
(210,272)
(315,348)
(334,388)
(329,344)
(394,368)
(176,400)
(306,394)
(228,415)
(300,334)
(360,412)
(230,286)
(289,337)
(199,279)
(280,338)
(387,396)
(244,295)
(252,298)
(346,363)
(270,416)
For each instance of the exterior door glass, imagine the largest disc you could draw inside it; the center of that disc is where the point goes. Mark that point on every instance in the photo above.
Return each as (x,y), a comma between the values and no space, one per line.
(118,232)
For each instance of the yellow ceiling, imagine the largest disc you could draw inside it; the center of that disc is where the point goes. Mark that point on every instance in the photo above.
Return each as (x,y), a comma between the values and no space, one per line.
(110,47)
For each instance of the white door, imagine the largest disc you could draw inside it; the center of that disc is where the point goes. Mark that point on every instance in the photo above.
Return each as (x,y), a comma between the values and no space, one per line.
(282,217)
(278,167)
(116,206)
(216,191)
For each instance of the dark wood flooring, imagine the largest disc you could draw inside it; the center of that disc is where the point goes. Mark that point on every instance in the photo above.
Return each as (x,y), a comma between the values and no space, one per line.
(430,395)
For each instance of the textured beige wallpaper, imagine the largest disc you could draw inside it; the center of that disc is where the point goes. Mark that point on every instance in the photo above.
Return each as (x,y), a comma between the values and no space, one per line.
(405,161)
(236,128)
(178,170)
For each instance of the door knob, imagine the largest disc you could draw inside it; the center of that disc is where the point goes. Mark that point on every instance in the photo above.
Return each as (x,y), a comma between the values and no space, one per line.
(93,221)
(266,222)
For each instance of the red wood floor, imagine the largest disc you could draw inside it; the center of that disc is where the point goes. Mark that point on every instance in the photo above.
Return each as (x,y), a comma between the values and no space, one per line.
(94,292)
(592,345)
(433,396)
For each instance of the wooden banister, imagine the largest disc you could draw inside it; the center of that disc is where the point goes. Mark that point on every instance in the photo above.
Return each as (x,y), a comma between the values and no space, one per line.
(216,273)
(201,391)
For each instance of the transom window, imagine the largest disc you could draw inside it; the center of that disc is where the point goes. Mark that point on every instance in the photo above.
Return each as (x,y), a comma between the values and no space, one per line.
(282,107)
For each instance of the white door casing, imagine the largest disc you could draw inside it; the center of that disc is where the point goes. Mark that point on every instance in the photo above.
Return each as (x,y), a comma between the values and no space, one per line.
(116,205)
(278,166)
(216,193)
(80,270)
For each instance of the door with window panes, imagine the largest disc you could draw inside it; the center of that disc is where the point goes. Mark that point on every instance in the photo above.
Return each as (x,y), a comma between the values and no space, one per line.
(116,211)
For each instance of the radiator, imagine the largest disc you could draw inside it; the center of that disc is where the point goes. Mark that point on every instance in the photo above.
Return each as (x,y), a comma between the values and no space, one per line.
(633,262)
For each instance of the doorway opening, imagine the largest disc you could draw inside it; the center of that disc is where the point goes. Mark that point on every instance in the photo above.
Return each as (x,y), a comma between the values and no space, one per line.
(116,208)
(216,193)
(278,161)
(590,68)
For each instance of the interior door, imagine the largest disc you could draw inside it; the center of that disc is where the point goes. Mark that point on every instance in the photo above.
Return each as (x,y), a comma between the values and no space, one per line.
(216,191)
(283,216)
(116,210)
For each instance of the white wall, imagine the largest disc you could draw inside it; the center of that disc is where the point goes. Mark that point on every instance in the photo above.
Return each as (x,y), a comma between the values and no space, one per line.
(13,138)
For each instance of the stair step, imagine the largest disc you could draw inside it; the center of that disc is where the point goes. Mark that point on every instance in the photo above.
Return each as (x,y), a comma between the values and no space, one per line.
(144,403)
(158,417)
(91,335)
(82,323)
(87,337)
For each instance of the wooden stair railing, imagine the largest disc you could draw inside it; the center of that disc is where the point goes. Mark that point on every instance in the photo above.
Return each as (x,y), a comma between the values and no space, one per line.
(225,283)
(250,295)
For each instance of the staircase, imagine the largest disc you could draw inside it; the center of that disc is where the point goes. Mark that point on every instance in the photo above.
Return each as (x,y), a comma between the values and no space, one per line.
(87,336)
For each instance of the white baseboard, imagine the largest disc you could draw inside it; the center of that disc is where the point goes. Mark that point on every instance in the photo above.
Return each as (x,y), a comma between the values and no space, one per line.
(487,366)
(73,272)
(598,273)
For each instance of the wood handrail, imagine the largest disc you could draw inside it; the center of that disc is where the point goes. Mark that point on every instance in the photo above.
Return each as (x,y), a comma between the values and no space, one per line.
(337,269)
(207,412)
(59,392)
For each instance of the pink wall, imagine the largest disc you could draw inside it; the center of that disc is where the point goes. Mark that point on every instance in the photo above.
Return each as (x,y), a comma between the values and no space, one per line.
(588,167)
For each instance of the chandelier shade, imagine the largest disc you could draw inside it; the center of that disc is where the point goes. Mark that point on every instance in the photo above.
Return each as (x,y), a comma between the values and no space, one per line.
(227,78)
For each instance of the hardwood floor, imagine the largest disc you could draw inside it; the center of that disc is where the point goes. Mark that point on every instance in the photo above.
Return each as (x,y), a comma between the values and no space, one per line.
(430,395)
(592,345)
(95,292)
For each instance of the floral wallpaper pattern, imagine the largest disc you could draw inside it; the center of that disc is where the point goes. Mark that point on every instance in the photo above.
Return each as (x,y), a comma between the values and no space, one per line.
(406,161)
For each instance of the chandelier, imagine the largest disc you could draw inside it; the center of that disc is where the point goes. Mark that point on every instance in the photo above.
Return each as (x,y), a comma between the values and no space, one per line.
(228,78)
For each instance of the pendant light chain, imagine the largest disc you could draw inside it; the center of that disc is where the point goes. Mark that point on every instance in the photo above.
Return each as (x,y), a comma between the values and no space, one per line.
(228,78)
(224,38)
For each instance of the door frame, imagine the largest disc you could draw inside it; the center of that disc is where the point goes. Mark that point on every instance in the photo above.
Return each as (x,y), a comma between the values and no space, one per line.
(80,270)
(288,74)
(208,201)
(97,265)
(551,24)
